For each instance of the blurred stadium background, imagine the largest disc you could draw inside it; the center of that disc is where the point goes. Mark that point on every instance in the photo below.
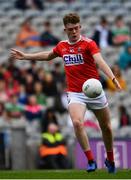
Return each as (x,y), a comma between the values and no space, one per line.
(20,130)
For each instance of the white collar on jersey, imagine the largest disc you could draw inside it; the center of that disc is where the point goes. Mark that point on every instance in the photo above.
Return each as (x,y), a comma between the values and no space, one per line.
(76,41)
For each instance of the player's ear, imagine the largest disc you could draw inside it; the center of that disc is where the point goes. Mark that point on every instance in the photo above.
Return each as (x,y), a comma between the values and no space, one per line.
(80,26)
(64,29)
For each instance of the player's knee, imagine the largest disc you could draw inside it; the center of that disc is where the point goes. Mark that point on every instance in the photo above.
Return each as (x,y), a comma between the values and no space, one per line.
(78,125)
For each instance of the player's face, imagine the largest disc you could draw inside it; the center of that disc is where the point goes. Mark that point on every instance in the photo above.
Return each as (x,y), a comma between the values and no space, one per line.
(73,31)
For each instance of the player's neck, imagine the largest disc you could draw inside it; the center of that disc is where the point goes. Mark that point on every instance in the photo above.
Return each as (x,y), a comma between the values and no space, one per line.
(75,41)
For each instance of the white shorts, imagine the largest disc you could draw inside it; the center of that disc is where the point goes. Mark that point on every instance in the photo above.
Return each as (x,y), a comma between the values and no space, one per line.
(99,102)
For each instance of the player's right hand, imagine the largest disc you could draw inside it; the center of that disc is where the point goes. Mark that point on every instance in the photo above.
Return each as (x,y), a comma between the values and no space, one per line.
(117,84)
(16,54)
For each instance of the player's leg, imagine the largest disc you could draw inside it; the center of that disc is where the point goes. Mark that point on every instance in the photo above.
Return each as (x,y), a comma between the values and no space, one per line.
(77,112)
(103,116)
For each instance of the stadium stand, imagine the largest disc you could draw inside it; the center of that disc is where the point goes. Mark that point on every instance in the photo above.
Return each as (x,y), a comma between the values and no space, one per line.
(90,12)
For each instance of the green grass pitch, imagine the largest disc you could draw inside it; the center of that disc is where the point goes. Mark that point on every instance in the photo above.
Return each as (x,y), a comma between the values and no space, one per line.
(64,174)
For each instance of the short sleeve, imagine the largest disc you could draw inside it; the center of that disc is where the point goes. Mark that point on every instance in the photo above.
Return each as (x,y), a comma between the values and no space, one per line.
(93,48)
(57,50)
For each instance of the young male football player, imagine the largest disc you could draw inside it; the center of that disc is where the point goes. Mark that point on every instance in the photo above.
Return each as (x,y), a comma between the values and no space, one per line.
(80,56)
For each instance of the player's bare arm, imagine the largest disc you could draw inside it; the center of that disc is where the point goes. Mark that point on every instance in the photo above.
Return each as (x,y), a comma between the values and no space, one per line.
(106,69)
(40,56)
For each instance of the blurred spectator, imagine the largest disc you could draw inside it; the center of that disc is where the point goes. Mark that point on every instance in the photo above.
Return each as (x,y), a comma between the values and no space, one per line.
(40,96)
(41,75)
(3,95)
(13,69)
(124,116)
(29,4)
(33,113)
(49,117)
(47,38)
(118,74)
(33,69)
(120,32)
(50,88)
(1,110)
(14,111)
(23,74)
(2,70)
(33,110)
(125,57)
(12,86)
(53,151)
(22,95)
(29,84)
(27,36)
(102,34)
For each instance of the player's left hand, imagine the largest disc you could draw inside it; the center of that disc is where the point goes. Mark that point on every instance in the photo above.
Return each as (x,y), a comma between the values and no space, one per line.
(117,84)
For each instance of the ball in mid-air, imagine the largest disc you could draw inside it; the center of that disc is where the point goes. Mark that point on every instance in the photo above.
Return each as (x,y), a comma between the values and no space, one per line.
(92,88)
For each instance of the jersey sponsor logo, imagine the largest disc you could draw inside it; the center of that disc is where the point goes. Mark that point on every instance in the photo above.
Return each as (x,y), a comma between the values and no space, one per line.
(73,59)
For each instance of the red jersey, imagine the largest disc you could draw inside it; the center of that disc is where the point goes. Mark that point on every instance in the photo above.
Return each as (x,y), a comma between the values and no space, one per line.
(78,62)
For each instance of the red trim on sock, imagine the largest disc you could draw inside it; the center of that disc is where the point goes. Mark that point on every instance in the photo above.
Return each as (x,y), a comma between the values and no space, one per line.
(89,155)
(110,156)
